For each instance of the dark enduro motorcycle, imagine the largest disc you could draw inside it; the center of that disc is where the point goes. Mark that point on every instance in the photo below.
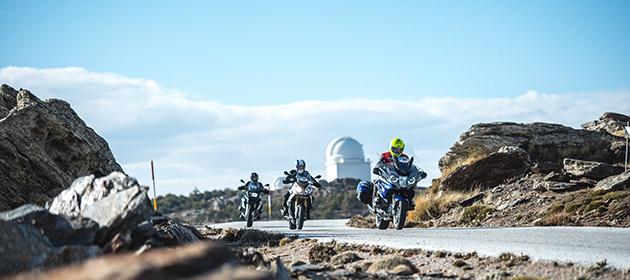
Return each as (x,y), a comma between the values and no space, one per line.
(252,203)
(300,199)
(393,191)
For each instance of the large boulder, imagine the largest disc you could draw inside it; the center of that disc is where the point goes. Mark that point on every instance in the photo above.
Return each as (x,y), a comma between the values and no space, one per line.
(609,122)
(495,169)
(24,248)
(58,230)
(615,183)
(117,203)
(44,146)
(590,169)
(547,144)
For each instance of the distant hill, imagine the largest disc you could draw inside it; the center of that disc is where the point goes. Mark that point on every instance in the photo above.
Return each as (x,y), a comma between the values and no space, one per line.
(334,200)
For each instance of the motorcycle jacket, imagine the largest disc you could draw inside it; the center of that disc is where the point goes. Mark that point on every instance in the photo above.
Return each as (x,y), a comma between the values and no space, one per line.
(291,178)
(257,187)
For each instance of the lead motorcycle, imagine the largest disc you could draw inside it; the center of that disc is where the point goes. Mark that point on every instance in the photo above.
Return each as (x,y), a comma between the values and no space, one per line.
(252,203)
(300,198)
(393,191)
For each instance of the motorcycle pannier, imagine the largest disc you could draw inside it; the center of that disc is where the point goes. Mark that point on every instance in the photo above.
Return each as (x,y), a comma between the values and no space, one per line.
(364,192)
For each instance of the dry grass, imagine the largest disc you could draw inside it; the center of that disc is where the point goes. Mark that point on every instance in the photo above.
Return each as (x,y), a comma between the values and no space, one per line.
(556,219)
(467,161)
(433,205)
(476,213)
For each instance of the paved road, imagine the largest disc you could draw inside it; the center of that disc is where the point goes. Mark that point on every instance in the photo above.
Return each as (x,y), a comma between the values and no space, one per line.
(585,245)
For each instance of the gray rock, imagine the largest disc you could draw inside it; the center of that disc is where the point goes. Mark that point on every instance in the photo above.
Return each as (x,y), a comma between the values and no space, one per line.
(556,186)
(44,146)
(488,172)
(542,141)
(171,232)
(612,123)
(57,229)
(615,183)
(590,169)
(345,258)
(471,200)
(279,271)
(24,248)
(392,264)
(117,203)
(556,176)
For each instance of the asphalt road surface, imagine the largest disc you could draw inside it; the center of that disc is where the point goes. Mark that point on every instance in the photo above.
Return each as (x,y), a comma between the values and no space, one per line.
(585,245)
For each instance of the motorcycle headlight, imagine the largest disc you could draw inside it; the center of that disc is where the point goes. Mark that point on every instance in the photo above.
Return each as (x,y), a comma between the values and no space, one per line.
(411,180)
(254,195)
(393,178)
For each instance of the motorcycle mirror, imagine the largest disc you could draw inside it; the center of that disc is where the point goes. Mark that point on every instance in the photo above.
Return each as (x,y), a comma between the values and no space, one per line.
(286,173)
(266,185)
(411,161)
(318,176)
(242,181)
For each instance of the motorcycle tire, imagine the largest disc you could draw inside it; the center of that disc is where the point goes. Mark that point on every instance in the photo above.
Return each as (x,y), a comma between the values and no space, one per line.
(381,223)
(301,216)
(400,214)
(249,215)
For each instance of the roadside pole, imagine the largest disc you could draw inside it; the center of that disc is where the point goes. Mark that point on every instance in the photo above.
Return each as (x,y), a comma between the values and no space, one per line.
(153,178)
(269,204)
(627,132)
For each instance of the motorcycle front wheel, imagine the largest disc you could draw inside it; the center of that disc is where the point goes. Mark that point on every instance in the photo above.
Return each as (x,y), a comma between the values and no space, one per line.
(249,218)
(400,213)
(300,215)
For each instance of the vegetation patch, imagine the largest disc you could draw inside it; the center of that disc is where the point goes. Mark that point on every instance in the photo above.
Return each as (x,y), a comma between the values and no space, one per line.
(476,213)
(432,205)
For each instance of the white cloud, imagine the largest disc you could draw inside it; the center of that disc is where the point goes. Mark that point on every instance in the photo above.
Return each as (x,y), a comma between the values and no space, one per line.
(206,144)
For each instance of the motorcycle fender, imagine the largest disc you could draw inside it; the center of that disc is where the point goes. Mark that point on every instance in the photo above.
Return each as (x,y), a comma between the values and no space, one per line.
(399,197)
(290,200)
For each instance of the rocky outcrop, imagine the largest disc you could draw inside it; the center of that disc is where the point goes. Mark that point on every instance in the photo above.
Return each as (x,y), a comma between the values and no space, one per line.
(547,144)
(612,123)
(495,169)
(590,169)
(117,203)
(44,146)
(615,183)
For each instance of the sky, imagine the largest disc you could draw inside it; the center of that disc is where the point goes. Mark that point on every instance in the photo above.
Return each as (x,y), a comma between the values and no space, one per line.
(214,90)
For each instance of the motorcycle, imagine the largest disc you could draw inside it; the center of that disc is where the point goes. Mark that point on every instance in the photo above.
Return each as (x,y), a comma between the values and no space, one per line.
(393,191)
(252,203)
(300,199)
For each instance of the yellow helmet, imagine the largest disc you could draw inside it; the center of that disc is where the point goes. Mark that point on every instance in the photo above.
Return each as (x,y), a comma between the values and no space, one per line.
(397,146)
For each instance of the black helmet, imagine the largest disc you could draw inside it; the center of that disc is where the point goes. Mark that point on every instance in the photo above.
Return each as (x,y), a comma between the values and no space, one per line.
(300,165)
(254,177)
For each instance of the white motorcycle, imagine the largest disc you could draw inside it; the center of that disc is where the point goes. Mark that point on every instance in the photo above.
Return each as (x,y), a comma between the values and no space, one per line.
(300,199)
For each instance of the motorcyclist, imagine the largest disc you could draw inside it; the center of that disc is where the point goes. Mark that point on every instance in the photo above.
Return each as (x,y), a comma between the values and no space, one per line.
(387,159)
(300,168)
(252,186)
(396,149)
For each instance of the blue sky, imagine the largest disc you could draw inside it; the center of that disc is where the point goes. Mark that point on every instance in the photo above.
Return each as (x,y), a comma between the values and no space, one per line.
(272,52)
(214,90)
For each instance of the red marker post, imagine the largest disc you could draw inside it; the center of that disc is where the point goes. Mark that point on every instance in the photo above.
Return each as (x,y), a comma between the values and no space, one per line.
(153,178)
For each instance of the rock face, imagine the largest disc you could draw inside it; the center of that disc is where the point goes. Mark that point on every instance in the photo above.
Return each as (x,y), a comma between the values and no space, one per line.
(44,146)
(545,143)
(590,169)
(493,170)
(612,123)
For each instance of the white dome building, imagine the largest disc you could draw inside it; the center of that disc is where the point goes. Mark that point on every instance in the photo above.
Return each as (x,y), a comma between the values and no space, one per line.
(345,159)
